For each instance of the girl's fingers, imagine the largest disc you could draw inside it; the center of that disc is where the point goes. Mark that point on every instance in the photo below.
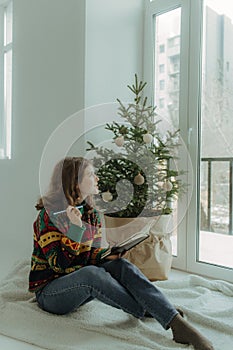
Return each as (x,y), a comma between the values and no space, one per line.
(74,215)
(72,209)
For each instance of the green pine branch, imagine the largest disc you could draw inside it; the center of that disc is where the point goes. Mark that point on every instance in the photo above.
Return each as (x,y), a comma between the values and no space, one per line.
(155,159)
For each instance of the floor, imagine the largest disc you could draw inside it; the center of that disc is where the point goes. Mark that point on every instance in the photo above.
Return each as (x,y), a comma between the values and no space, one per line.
(209,251)
(12,344)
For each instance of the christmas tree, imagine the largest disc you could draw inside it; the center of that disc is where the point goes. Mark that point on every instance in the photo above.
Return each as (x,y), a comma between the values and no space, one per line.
(140,177)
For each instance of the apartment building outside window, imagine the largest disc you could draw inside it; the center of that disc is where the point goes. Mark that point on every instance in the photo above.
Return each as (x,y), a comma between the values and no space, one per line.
(175,41)
(161,85)
(161,103)
(5,78)
(161,68)
(198,99)
(162,48)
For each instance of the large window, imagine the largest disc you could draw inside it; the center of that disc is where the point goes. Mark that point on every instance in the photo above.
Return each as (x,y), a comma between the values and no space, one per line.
(188,46)
(5,78)
(215,240)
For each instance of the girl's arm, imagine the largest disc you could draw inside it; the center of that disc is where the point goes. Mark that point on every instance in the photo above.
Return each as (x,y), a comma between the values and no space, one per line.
(62,251)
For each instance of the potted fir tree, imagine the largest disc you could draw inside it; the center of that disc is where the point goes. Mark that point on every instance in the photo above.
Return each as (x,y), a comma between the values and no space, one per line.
(141,178)
(139,182)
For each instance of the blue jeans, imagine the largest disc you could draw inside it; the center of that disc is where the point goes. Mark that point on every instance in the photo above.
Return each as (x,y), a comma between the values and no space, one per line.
(116,282)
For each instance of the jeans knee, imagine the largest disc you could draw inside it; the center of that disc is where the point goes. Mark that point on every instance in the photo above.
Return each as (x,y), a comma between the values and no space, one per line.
(93,276)
(120,265)
(124,263)
(87,273)
(123,266)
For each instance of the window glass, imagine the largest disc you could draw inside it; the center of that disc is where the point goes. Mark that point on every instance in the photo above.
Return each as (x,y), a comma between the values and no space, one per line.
(162,48)
(8,24)
(167,27)
(216,176)
(167,64)
(161,84)
(161,68)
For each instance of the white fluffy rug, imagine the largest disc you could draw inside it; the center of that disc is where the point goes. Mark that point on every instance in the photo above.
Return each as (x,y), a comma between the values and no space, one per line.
(208,305)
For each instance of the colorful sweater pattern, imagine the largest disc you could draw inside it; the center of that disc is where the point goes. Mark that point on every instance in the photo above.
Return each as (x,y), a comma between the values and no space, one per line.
(59,247)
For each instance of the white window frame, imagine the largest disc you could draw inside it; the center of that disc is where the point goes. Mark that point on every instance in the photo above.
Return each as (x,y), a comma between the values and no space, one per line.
(190,92)
(152,9)
(205,269)
(5,113)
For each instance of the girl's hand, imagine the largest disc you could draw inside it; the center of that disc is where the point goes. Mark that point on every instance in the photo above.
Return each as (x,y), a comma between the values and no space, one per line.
(115,256)
(74,215)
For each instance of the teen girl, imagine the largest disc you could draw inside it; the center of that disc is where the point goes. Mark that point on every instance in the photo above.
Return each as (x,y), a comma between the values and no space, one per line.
(66,269)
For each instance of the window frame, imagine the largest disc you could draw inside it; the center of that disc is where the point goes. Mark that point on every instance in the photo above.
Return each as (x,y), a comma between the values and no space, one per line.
(5,92)
(152,9)
(190,106)
(195,73)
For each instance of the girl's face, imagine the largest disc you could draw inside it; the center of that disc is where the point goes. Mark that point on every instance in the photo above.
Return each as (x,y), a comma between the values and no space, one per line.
(89,183)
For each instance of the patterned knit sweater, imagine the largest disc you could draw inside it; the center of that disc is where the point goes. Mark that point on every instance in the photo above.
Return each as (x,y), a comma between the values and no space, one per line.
(61,247)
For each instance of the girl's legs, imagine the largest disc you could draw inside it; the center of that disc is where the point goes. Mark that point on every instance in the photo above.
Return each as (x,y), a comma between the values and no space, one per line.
(142,290)
(184,333)
(68,292)
(151,299)
(119,284)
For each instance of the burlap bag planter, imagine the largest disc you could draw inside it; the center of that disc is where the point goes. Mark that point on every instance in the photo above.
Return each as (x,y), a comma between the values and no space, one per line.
(154,255)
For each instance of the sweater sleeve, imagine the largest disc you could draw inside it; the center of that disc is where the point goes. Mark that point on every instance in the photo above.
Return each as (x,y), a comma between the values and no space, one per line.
(97,250)
(96,256)
(61,250)
(75,233)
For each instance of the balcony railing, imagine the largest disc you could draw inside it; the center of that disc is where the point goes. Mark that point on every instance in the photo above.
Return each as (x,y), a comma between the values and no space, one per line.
(209,191)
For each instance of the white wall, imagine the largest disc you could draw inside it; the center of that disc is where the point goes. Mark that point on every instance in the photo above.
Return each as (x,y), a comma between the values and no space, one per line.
(114,42)
(48,78)
(114,38)
(50,66)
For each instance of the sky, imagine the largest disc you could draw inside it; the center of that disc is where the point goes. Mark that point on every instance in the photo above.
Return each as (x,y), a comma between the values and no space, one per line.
(221,6)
